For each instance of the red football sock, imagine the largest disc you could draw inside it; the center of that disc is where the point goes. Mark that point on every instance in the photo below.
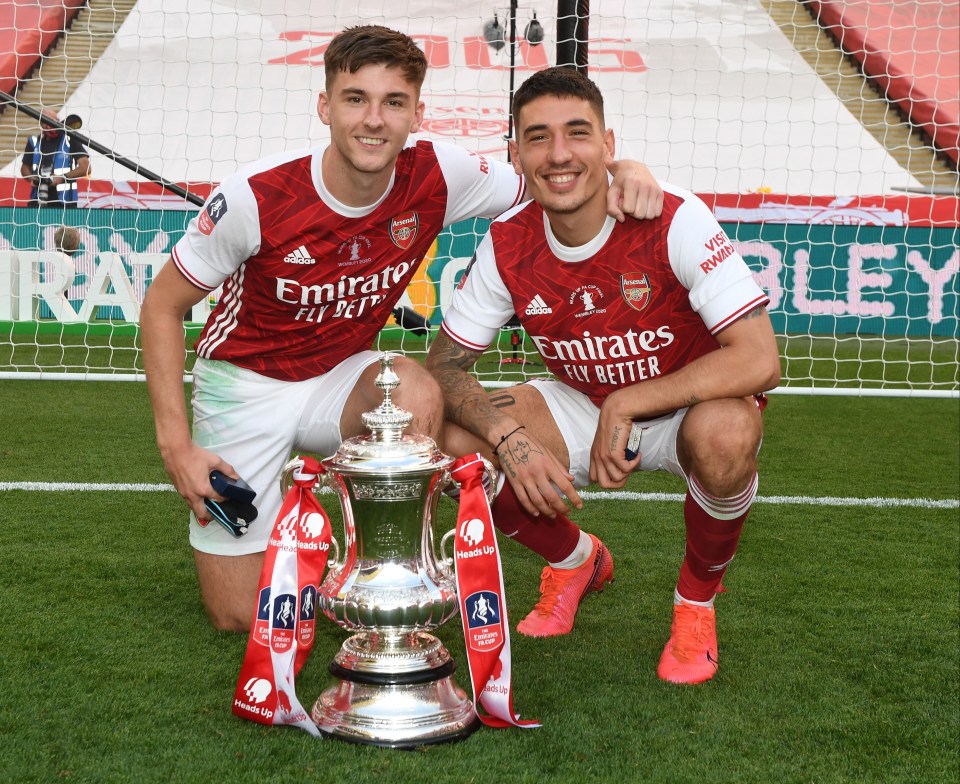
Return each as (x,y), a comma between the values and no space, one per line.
(713,530)
(554,539)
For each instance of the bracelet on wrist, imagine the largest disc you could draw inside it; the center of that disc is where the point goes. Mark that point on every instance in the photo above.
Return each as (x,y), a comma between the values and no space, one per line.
(504,438)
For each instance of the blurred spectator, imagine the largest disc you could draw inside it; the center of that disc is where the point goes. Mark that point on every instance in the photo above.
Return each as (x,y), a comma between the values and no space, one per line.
(63,272)
(52,163)
(67,241)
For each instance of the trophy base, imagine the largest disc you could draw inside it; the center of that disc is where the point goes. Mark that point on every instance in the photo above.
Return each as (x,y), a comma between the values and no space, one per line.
(400,712)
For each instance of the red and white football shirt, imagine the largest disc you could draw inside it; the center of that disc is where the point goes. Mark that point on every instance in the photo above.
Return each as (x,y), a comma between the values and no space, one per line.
(642,299)
(309,281)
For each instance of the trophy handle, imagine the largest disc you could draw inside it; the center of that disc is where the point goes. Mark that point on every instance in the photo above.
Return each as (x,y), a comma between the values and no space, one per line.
(286,474)
(334,564)
(446,561)
(286,482)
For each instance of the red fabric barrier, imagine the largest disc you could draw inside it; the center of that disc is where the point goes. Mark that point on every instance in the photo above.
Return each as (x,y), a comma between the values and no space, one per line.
(110,194)
(888,210)
(27,29)
(911,48)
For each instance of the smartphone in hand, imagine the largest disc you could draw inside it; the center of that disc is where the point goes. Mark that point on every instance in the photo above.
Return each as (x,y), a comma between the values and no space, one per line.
(633,442)
(236,511)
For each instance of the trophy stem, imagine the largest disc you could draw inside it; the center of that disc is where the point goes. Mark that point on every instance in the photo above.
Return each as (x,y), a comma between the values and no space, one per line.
(374,657)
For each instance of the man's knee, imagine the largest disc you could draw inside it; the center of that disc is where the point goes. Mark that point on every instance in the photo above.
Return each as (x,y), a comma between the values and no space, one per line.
(223,620)
(228,586)
(419,393)
(721,446)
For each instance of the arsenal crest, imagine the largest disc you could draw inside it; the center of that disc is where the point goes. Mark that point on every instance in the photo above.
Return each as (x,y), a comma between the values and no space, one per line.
(635,289)
(403,229)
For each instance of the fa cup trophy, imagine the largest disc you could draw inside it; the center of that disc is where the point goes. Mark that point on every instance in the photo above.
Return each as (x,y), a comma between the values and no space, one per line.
(394,683)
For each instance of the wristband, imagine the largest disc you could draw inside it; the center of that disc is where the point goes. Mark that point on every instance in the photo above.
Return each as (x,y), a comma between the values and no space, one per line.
(500,442)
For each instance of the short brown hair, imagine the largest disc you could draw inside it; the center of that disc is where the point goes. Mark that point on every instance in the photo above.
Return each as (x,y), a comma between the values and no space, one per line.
(364,45)
(561,82)
(67,239)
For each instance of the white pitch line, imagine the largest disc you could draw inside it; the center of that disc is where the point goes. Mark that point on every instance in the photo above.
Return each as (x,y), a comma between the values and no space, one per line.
(605,495)
(63,487)
(801,500)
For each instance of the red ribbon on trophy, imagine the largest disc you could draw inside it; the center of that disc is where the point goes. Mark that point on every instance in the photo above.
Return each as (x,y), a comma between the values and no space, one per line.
(284,623)
(483,606)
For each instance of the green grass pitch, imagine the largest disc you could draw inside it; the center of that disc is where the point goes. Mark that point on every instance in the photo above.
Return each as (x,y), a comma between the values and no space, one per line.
(838,635)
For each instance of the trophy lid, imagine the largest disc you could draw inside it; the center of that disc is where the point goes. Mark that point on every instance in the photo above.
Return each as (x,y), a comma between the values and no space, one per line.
(386,449)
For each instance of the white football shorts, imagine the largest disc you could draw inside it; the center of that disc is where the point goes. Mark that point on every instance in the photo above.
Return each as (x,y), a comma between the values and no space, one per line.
(576,416)
(256,423)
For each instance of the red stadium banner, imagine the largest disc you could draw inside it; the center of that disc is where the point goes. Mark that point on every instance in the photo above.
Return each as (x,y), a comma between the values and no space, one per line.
(888,210)
(912,50)
(885,210)
(112,194)
(27,29)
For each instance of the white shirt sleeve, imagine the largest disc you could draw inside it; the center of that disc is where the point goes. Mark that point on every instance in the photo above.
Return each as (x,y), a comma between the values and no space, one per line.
(223,235)
(477,186)
(721,285)
(481,303)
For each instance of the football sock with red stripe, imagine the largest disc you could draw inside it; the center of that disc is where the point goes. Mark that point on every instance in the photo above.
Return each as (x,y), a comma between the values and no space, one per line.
(713,531)
(554,539)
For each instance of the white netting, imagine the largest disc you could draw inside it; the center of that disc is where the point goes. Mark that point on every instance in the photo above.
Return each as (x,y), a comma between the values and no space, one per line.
(808,165)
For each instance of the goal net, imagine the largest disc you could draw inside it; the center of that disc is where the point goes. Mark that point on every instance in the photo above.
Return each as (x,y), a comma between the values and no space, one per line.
(824,136)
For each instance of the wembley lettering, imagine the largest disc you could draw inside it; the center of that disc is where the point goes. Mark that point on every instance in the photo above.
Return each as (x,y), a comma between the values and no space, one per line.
(602,347)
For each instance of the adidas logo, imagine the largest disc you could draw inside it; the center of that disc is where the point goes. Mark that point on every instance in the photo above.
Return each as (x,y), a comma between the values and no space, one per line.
(538,307)
(300,256)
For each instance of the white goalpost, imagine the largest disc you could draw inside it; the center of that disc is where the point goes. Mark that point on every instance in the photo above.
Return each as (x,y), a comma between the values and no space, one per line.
(781,115)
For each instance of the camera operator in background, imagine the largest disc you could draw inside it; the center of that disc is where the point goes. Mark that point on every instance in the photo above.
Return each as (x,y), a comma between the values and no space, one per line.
(52,163)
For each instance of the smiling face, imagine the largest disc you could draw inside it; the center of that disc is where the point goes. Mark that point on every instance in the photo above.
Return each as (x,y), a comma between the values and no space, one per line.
(371,112)
(561,149)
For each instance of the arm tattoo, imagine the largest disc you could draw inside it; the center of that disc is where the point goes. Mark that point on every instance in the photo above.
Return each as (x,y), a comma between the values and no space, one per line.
(445,353)
(503,400)
(465,400)
(755,313)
